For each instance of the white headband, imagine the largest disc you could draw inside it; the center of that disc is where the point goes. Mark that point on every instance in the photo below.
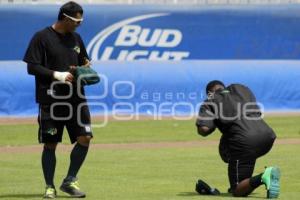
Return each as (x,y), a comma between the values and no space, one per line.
(72,18)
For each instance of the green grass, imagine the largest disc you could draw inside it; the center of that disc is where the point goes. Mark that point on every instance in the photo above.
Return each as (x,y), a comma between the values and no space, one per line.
(142,174)
(143,131)
(160,174)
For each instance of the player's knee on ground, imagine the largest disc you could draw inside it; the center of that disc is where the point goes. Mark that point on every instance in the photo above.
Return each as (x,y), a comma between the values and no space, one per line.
(84,140)
(237,193)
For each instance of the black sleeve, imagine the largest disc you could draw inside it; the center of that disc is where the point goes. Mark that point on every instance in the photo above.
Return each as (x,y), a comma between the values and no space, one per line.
(35,57)
(83,54)
(39,70)
(206,116)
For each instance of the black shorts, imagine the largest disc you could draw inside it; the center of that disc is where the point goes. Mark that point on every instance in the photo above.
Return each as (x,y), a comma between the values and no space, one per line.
(239,170)
(53,118)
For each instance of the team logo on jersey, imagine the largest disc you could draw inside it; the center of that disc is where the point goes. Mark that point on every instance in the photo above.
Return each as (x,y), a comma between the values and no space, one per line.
(225,92)
(130,39)
(52,131)
(77,49)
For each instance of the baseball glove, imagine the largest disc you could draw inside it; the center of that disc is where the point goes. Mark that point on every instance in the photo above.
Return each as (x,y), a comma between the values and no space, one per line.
(204,189)
(86,75)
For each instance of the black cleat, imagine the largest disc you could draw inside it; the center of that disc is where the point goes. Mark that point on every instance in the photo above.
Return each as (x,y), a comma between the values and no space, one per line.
(72,188)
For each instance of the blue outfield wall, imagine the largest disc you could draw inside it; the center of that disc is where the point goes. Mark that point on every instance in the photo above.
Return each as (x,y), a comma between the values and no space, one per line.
(148,87)
(159,58)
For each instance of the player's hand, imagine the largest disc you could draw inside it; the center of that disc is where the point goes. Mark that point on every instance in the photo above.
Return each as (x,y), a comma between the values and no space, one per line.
(69,78)
(64,77)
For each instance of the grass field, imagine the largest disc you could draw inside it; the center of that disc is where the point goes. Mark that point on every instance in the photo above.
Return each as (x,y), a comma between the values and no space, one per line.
(143,173)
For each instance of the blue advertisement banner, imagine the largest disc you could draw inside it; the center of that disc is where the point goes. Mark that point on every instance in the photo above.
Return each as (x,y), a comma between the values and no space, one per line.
(126,33)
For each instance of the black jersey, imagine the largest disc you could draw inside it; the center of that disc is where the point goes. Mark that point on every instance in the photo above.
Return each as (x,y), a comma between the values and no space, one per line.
(51,51)
(235,113)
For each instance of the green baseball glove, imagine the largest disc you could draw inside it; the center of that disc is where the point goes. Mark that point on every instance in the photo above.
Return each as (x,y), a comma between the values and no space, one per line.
(87,75)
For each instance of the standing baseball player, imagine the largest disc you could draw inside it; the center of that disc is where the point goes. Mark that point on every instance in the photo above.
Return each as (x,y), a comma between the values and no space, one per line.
(245,136)
(50,56)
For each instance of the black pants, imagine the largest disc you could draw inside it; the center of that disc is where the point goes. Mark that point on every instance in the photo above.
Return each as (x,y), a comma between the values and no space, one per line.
(239,170)
(241,166)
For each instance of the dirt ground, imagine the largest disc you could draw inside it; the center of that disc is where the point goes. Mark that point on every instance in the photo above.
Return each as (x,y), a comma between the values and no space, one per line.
(68,148)
(33,120)
(62,148)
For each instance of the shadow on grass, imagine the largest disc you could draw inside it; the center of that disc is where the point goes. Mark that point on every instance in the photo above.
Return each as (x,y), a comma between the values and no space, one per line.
(190,194)
(223,195)
(21,196)
(29,196)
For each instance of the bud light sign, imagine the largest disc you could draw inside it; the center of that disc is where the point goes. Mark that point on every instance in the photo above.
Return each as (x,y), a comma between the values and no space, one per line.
(137,42)
(165,33)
